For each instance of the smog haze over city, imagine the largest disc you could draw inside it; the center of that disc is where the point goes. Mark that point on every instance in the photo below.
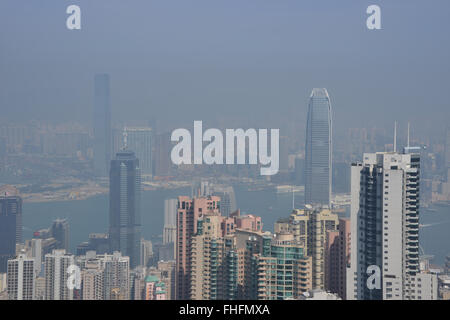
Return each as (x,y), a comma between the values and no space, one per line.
(121,148)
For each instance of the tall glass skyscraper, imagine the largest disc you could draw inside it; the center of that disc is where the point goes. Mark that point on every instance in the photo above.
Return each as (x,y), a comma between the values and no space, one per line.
(124,206)
(318,149)
(102,125)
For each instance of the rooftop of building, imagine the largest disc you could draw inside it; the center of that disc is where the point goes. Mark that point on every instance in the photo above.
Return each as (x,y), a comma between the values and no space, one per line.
(8,191)
(151,278)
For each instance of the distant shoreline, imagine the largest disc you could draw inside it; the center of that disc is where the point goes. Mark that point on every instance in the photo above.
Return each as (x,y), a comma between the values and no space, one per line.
(65,196)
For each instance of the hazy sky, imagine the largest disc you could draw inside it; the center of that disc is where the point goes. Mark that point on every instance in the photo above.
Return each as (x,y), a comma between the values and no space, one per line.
(212,59)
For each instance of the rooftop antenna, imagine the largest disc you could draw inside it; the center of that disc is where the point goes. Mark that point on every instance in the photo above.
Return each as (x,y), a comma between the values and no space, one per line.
(395,136)
(407,143)
(125,142)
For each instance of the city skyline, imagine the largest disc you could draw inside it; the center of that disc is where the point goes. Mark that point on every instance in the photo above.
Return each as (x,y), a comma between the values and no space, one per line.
(328,257)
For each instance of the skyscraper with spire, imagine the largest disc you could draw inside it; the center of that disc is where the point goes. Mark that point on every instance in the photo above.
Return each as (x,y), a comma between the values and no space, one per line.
(318,153)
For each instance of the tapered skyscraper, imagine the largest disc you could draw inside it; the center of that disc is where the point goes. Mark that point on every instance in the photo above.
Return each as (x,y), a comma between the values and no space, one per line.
(318,149)
(102,125)
(140,140)
(124,206)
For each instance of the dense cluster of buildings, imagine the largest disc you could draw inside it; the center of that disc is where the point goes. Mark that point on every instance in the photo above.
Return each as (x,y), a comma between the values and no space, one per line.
(210,251)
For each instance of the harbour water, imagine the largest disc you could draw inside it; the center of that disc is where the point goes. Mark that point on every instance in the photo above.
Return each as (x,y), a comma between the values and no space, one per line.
(91,216)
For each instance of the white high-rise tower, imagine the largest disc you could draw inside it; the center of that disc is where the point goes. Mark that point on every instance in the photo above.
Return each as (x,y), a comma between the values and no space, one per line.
(318,153)
(56,275)
(385,229)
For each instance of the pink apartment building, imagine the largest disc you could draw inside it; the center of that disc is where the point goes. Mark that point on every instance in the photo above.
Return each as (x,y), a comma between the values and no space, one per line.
(189,213)
(337,258)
